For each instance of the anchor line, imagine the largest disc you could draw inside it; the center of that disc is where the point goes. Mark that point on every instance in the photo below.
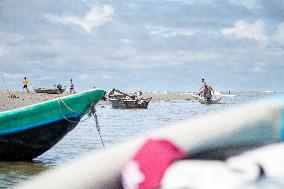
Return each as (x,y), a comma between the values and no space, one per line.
(92,111)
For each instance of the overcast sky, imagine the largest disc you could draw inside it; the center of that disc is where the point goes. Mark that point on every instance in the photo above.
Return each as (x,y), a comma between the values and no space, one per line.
(152,45)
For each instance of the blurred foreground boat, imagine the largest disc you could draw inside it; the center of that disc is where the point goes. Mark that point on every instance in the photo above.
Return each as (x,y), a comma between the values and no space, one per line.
(253,124)
(122,100)
(27,132)
(258,168)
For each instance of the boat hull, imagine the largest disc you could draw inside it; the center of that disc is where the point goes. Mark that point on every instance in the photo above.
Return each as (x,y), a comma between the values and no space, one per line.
(31,143)
(212,101)
(130,104)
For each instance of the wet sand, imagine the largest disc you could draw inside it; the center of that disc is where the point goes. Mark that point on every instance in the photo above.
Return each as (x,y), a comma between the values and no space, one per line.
(168,96)
(23,98)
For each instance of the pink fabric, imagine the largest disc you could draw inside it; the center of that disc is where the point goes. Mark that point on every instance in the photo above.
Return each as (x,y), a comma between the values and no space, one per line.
(149,164)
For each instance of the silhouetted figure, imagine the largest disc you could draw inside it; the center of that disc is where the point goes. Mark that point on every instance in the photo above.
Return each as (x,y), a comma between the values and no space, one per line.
(72,90)
(25,82)
(59,86)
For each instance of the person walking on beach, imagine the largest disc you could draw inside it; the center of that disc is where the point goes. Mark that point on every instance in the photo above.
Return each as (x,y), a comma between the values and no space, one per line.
(71,86)
(25,82)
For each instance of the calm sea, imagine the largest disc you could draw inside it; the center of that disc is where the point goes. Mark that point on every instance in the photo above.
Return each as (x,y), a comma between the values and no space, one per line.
(117,126)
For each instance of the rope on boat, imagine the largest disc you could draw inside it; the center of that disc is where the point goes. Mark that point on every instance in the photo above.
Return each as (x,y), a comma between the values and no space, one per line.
(92,111)
(72,121)
(60,100)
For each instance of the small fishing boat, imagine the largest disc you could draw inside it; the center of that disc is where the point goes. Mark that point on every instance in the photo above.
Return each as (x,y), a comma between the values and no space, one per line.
(49,91)
(122,100)
(253,124)
(27,132)
(58,90)
(129,103)
(216,98)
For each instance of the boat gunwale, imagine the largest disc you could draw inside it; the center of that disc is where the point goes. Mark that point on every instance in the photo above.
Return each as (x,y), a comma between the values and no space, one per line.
(48,101)
(24,128)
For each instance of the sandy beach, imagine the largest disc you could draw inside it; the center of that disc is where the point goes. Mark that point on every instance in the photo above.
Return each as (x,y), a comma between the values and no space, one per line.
(23,98)
(168,96)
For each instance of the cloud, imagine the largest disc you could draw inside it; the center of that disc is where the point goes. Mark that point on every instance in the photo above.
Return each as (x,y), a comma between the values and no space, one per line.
(3,51)
(127,41)
(243,29)
(180,37)
(279,34)
(148,60)
(164,32)
(123,53)
(184,57)
(259,69)
(249,4)
(96,17)
(186,2)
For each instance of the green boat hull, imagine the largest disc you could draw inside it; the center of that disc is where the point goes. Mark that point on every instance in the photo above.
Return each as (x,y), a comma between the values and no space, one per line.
(27,132)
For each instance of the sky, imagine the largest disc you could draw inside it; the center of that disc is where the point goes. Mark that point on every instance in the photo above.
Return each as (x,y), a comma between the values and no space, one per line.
(151,45)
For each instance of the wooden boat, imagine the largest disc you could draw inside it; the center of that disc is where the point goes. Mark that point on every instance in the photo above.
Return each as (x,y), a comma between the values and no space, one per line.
(27,132)
(254,123)
(122,100)
(211,101)
(129,103)
(49,91)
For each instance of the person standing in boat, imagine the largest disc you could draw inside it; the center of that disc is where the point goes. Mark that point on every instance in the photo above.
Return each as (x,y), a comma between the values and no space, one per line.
(72,90)
(201,93)
(25,82)
(205,89)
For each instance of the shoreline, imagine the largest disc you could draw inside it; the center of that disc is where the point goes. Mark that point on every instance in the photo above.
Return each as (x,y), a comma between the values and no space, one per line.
(24,99)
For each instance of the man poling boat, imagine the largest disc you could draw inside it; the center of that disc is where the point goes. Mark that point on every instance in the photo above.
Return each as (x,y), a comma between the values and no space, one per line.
(207,94)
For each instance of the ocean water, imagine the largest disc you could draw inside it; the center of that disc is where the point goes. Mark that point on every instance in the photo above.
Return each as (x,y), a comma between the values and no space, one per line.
(117,126)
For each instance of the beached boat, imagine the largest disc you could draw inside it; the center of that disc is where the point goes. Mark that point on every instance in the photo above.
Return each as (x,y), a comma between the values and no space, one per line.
(27,132)
(252,124)
(122,100)
(49,91)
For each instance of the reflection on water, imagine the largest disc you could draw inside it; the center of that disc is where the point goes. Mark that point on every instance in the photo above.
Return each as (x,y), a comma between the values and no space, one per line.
(116,126)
